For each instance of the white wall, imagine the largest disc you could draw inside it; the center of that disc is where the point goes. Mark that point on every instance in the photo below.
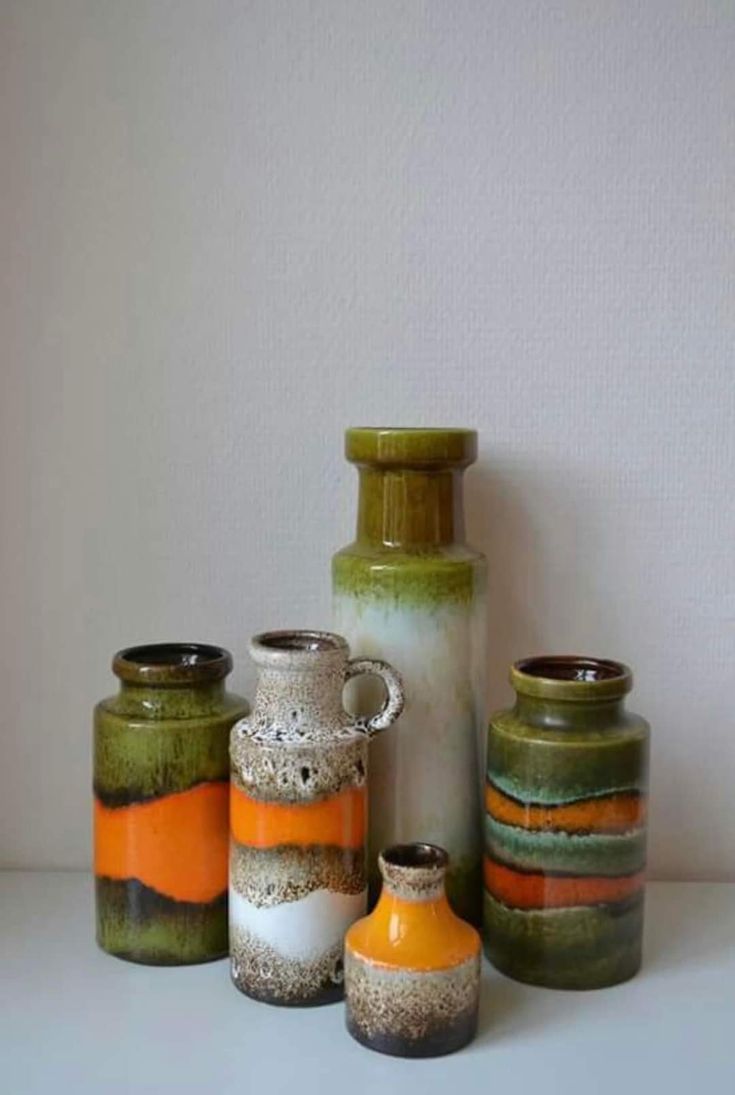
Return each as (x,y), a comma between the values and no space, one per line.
(230,229)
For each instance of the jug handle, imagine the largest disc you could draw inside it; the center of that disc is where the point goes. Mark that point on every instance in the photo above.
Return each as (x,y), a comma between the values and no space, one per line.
(395,698)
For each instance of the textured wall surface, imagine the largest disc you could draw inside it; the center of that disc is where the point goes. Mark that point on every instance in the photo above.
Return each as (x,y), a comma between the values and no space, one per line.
(229,229)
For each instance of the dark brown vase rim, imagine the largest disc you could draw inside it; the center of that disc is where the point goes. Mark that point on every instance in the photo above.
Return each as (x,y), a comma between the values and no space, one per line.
(172,663)
(415,856)
(411,446)
(575,677)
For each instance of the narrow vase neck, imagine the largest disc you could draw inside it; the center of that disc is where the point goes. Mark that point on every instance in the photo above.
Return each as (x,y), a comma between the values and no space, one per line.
(408,507)
(554,714)
(171,701)
(308,698)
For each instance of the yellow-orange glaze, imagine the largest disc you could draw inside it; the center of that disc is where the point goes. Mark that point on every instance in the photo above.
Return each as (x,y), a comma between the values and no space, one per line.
(413,935)
(609,814)
(176,844)
(338,820)
(534,890)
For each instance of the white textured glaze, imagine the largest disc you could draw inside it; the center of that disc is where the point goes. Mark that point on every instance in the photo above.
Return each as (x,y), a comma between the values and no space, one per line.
(299,929)
(424,772)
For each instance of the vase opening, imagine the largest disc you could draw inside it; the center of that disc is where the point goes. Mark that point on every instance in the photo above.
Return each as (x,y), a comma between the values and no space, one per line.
(571,668)
(300,640)
(172,663)
(571,677)
(416,855)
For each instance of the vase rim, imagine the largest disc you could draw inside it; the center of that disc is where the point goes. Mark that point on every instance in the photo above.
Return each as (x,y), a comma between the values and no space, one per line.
(296,648)
(411,446)
(172,664)
(573,677)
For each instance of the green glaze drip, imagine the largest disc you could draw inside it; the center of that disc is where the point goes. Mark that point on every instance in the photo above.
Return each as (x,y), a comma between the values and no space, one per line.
(171,933)
(428,581)
(137,758)
(567,853)
(577,948)
(561,765)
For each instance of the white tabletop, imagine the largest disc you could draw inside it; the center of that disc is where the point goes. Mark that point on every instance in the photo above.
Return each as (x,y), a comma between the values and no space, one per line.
(73,1020)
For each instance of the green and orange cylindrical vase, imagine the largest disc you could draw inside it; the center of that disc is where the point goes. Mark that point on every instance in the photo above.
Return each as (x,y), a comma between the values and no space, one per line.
(565,826)
(161,818)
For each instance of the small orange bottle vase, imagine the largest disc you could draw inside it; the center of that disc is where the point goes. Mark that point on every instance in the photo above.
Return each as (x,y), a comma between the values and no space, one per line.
(412,968)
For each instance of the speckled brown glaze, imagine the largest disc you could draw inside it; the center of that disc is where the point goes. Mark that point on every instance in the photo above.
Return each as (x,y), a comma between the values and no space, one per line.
(262,973)
(412,968)
(411,1014)
(267,878)
(298,814)
(301,772)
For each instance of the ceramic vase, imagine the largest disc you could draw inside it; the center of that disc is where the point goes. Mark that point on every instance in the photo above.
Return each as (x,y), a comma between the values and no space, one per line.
(410,589)
(412,968)
(565,822)
(161,785)
(298,817)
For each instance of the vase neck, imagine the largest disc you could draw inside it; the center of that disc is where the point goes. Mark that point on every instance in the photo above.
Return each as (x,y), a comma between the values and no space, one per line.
(410,507)
(413,872)
(171,701)
(308,699)
(553,714)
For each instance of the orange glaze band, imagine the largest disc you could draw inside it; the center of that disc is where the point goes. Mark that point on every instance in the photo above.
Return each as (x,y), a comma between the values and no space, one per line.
(539,891)
(431,936)
(339,819)
(614,813)
(177,844)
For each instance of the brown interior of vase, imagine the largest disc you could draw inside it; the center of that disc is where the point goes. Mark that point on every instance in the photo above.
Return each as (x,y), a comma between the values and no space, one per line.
(571,668)
(299,640)
(416,855)
(172,654)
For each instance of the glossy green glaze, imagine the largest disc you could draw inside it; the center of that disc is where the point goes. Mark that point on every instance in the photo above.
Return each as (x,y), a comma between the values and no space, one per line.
(409,589)
(180,741)
(579,948)
(138,924)
(161,778)
(565,826)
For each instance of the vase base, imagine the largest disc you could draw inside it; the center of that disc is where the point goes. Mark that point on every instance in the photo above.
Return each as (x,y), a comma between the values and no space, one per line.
(454,1036)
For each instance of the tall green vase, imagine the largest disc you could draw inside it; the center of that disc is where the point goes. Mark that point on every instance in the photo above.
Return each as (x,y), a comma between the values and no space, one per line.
(409,589)
(565,826)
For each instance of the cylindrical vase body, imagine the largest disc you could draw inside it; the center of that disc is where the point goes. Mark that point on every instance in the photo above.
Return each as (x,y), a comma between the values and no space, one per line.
(298,818)
(565,826)
(411,590)
(161,785)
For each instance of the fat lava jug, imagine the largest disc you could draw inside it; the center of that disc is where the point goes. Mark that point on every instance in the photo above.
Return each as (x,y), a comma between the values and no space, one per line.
(161,787)
(565,826)
(298,817)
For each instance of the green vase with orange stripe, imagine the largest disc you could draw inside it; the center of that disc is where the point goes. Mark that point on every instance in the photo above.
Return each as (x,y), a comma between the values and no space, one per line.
(565,826)
(161,819)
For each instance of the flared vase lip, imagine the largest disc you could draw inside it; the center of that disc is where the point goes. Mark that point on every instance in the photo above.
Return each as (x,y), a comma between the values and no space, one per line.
(172,664)
(295,648)
(411,446)
(415,871)
(573,677)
